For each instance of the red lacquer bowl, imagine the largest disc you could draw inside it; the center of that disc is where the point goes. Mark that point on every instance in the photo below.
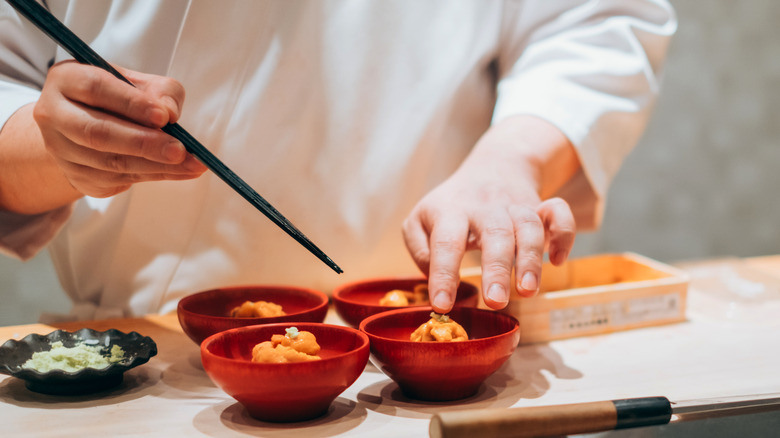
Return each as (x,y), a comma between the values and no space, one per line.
(441,371)
(285,392)
(357,300)
(205,313)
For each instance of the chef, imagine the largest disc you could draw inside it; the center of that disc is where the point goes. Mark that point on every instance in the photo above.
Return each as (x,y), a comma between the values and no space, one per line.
(398,136)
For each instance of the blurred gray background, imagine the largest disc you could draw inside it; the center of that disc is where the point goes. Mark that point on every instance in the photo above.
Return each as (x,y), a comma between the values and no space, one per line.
(703,182)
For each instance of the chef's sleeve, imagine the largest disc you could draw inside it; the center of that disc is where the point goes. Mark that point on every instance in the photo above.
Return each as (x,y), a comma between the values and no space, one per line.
(592,69)
(25,56)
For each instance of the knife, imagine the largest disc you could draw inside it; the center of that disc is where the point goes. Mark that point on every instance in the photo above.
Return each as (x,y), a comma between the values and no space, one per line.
(579,418)
(81,52)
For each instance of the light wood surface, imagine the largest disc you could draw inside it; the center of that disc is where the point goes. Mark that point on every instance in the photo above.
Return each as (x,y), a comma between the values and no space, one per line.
(729,345)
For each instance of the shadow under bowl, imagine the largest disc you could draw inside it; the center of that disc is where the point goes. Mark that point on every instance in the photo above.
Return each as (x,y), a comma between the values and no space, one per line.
(358,300)
(206,313)
(285,392)
(441,371)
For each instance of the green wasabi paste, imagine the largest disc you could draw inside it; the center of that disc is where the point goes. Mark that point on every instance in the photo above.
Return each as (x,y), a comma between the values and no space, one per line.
(74,358)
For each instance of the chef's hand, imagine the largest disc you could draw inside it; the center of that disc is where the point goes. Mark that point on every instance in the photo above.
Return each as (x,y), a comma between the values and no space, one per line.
(495,202)
(105,134)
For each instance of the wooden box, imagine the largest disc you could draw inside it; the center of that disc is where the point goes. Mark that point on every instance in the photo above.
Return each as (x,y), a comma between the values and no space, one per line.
(597,294)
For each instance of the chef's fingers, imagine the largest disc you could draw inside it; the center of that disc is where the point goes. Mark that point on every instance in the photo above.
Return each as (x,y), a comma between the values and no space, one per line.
(120,163)
(110,143)
(448,246)
(416,239)
(88,125)
(112,135)
(101,174)
(529,241)
(560,228)
(152,103)
(102,184)
(497,242)
(170,92)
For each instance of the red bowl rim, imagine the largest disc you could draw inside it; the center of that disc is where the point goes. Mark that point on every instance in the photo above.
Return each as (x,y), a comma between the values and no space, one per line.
(411,309)
(315,292)
(339,290)
(204,345)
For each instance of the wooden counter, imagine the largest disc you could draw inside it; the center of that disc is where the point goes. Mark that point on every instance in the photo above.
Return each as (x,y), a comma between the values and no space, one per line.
(729,345)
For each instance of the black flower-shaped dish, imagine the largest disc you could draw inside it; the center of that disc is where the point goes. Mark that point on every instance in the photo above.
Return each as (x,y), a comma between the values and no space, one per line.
(13,354)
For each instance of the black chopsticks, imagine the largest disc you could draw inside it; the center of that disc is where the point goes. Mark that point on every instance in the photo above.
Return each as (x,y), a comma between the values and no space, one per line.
(82,53)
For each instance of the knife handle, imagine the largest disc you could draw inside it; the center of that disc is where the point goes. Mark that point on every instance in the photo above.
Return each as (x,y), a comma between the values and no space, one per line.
(552,420)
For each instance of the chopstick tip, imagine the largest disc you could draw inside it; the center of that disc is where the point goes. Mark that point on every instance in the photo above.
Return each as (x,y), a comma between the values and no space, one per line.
(328,261)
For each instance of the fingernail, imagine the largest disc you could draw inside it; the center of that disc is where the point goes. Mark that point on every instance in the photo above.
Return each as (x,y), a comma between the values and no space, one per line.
(559,256)
(157,116)
(529,282)
(174,152)
(192,164)
(442,300)
(497,293)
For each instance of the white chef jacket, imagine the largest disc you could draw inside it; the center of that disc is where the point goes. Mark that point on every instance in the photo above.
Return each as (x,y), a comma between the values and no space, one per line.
(342,114)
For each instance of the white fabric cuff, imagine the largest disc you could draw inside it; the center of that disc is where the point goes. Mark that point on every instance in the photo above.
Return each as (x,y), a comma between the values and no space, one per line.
(520,96)
(588,119)
(14,96)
